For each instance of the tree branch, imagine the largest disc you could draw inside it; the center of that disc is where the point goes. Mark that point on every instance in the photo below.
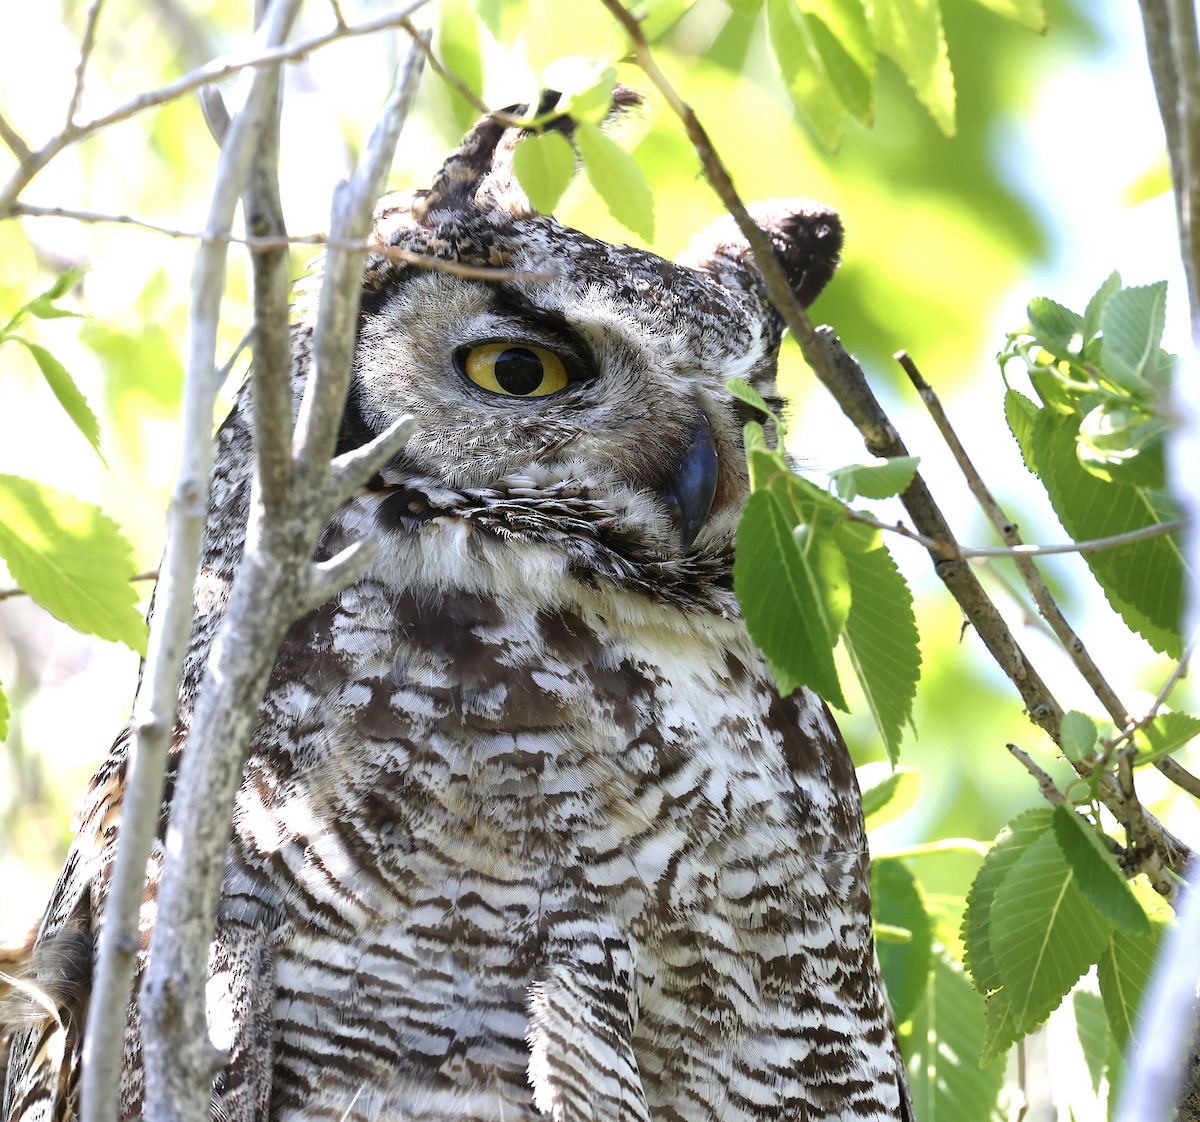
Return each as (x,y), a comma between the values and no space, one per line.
(275,582)
(154,717)
(1046,785)
(844,379)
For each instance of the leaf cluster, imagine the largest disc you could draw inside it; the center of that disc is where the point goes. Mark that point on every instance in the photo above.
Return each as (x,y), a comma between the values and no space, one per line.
(808,576)
(545,161)
(1096,439)
(65,553)
(1049,903)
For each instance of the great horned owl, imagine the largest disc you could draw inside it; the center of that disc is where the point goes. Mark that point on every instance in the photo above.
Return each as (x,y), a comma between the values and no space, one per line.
(526,831)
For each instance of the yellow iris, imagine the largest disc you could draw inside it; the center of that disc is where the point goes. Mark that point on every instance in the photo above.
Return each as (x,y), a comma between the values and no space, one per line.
(515,369)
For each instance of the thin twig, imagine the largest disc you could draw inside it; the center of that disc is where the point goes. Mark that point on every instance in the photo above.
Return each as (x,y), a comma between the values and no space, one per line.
(453,80)
(212,72)
(844,379)
(1186,174)
(498,273)
(85,53)
(10,593)
(1046,785)
(953,551)
(14,141)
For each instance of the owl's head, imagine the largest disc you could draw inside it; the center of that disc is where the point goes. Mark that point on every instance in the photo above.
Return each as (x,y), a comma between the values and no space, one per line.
(577,396)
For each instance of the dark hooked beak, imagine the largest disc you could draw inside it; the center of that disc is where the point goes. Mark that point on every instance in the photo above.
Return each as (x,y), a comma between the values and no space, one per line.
(689,489)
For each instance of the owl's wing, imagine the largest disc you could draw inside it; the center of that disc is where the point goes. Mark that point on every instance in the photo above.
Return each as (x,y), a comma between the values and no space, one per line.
(46,1007)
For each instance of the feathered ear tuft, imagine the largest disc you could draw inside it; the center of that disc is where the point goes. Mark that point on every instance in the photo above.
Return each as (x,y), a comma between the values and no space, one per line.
(478,175)
(807,237)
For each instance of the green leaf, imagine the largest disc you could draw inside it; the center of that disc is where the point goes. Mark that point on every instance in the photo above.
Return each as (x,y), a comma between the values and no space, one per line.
(1010,844)
(1132,323)
(944,1047)
(1120,442)
(744,391)
(1020,413)
(1167,733)
(773,578)
(897,901)
(1045,936)
(803,73)
(618,180)
(879,480)
(1143,581)
(841,37)
(1077,735)
(1091,317)
(4,715)
(71,559)
(910,33)
(1056,329)
(458,48)
(887,794)
(62,385)
(1028,13)
(882,641)
(657,17)
(504,18)
(1124,970)
(43,305)
(586,86)
(765,464)
(1095,1037)
(1097,873)
(544,166)
(1151,182)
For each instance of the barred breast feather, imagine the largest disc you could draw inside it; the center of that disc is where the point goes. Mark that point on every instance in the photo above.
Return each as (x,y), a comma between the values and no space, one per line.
(526,831)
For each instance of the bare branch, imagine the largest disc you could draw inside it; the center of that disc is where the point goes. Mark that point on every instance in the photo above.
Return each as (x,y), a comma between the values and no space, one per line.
(1186,174)
(274,583)
(333,341)
(272,362)
(497,273)
(14,141)
(85,54)
(155,709)
(952,551)
(216,113)
(1046,785)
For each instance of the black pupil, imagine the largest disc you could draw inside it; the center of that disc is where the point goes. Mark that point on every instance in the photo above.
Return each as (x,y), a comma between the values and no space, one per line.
(518,371)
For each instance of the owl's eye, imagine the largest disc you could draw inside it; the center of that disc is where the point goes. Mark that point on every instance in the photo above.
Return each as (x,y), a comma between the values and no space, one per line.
(515,369)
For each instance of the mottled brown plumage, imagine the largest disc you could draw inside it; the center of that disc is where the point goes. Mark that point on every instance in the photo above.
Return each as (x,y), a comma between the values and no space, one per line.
(525,831)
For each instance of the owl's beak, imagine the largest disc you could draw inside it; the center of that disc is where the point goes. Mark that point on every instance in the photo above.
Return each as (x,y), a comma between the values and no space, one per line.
(689,489)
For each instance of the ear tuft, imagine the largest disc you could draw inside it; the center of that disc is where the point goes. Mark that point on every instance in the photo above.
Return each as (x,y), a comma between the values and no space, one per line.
(807,237)
(478,174)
